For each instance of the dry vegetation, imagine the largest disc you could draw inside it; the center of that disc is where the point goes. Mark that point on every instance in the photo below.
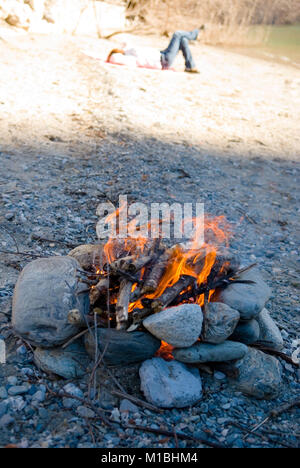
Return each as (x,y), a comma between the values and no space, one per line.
(228,20)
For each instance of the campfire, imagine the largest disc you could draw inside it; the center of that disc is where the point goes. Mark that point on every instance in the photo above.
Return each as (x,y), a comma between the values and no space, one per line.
(190,305)
(133,278)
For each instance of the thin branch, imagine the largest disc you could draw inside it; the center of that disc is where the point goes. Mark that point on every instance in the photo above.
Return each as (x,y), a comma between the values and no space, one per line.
(83,401)
(53,241)
(136,401)
(13,238)
(277,412)
(180,435)
(25,254)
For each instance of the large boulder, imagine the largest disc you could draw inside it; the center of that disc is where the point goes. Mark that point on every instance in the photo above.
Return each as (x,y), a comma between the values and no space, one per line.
(120,347)
(170,384)
(69,363)
(178,326)
(220,321)
(205,352)
(269,334)
(248,299)
(260,375)
(47,289)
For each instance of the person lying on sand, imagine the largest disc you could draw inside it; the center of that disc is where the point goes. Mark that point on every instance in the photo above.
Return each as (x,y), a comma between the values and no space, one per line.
(161,60)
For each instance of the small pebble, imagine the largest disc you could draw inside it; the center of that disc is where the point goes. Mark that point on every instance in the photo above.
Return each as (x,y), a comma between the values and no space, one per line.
(227,406)
(85,412)
(219,376)
(3,393)
(12,380)
(18,390)
(39,397)
(127,406)
(115,415)
(3,408)
(9,216)
(6,420)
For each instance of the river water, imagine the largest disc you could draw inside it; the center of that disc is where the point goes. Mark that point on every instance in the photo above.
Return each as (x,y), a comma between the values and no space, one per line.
(276,43)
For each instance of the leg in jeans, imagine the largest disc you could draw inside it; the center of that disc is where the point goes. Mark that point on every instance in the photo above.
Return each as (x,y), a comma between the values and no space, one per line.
(179,42)
(184,47)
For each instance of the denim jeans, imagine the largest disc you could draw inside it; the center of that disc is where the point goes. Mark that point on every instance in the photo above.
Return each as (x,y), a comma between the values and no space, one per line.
(179,41)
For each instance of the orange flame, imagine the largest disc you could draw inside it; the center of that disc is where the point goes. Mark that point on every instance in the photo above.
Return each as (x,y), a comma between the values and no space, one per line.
(197,260)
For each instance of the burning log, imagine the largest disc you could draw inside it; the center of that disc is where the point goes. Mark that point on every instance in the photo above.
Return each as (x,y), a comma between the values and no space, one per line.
(136,294)
(123,304)
(100,289)
(138,315)
(153,279)
(130,264)
(170,294)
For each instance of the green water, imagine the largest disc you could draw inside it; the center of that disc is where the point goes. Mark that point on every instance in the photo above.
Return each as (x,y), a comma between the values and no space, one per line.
(275,43)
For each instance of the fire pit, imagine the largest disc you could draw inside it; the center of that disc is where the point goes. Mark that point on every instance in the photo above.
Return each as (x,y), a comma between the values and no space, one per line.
(176,309)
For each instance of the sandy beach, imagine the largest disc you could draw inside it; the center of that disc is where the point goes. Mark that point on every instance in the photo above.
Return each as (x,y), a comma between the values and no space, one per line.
(237,105)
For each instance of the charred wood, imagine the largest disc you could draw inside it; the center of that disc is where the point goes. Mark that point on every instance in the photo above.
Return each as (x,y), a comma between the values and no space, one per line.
(153,279)
(171,293)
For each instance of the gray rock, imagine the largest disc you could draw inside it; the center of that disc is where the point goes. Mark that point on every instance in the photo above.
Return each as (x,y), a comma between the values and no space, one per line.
(219,376)
(107,400)
(121,347)
(45,292)
(12,380)
(16,403)
(73,390)
(220,322)
(248,299)
(43,413)
(127,406)
(115,415)
(21,350)
(259,375)
(6,420)
(170,384)
(18,390)
(3,408)
(3,393)
(178,326)
(69,403)
(246,332)
(269,335)
(9,216)
(205,352)
(85,412)
(38,397)
(70,363)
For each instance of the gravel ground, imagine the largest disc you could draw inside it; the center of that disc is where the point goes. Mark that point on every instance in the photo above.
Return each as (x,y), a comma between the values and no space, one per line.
(75,132)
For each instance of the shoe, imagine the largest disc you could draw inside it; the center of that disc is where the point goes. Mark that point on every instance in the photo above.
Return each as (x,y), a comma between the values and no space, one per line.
(191,70)
(202,27)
